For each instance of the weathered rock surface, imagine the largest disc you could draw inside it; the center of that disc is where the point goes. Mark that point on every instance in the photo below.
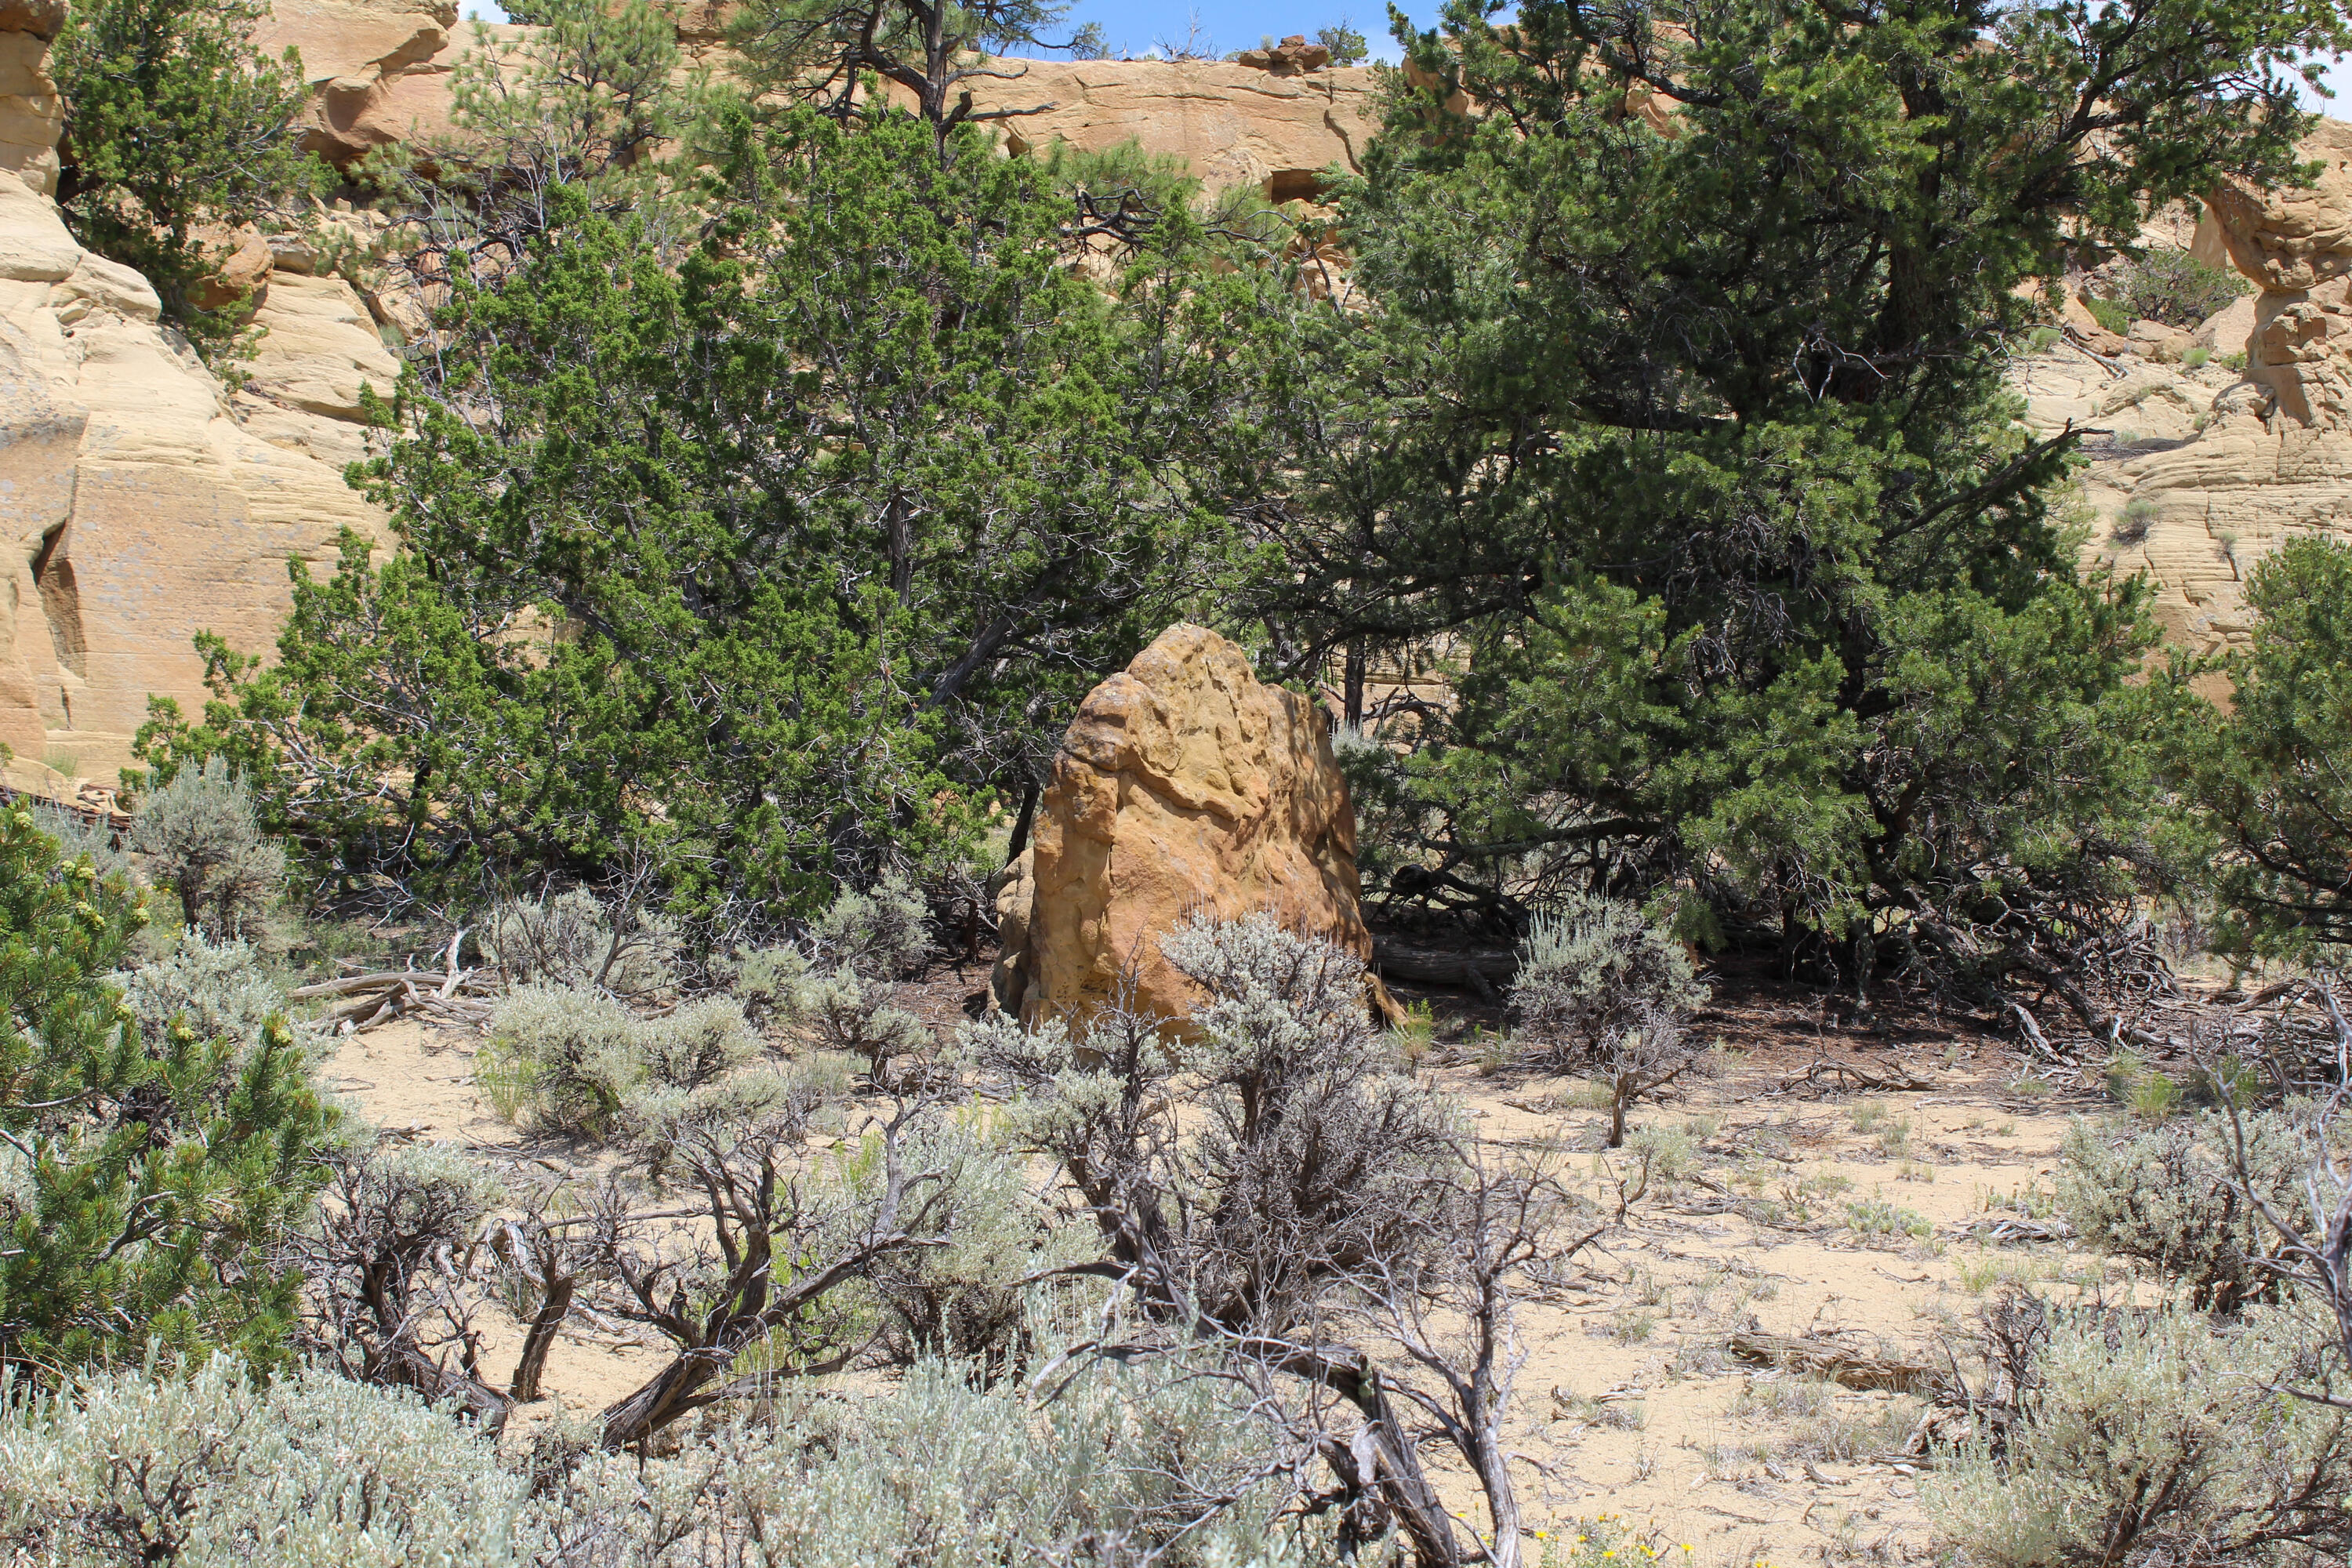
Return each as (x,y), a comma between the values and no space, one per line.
(31,112)
(1234,125)
(380,74)
(136,508)
(1183,785)
(2207,468)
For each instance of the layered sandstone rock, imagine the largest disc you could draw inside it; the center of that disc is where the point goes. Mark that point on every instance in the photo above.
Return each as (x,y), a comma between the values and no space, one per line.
(379,70)
(137,507)
(380,74)
(1183,785)
(31,113)
(1234,126)
(2205,470)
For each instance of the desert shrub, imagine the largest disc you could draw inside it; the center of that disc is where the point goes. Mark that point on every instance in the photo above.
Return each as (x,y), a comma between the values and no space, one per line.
(2165,1196)
(214,1468)
(861,1018)
(1604,990)
(2110,314)
(215,988)
(565,1056)
(695,1044)
(207,847)
(767,980)
(576,939)
(1318,1151)
(965,1299)
(2171,287)
(945,1474)
(1595,969)
(81,837)
(884,932)
(379,1313)
(2148,1439)
(570,1058)
(2134,521)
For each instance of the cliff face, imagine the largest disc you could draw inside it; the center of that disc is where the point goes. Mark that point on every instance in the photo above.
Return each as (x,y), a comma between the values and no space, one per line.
(2205,469)
(139,500)
(380,73)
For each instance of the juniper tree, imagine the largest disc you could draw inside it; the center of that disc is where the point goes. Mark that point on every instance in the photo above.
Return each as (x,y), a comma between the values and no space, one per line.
(1675,410)
(174,120)
(2272,779)
(771,551)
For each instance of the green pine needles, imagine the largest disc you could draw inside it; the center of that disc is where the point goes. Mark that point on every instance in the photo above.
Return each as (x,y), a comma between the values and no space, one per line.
(177,124)
(145,1178)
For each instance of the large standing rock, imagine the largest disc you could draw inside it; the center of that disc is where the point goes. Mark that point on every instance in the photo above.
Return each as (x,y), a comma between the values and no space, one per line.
(1183,785)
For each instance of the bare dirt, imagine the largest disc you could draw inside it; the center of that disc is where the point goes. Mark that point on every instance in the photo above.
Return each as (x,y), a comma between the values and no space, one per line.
(1782,1196)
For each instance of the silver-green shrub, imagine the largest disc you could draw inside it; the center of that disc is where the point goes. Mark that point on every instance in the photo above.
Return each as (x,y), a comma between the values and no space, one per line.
(81,836)
(860,1017)
(562,1057)
(1115,1466)
(217,988)
(1595,969)
(570,1057)
(2153,1438)
(211,1469)
(203,840)
(965,1299)
(696,1043)
(575,938)
(2168,1195)
(1604,991)
(882,933)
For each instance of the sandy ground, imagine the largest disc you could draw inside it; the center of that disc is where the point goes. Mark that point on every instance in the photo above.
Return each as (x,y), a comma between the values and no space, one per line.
(1796,1211)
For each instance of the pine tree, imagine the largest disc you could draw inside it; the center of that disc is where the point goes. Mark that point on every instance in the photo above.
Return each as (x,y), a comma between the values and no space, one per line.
(144,1183)
(173,120)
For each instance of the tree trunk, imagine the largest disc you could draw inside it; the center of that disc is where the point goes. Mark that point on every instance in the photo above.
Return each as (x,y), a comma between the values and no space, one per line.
(541,1340)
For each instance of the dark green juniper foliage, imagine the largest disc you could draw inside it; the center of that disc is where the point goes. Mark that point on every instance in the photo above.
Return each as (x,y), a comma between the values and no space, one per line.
(173,119)
(833,511)
(844,55)
(143,1182)
(2273,779)
(1694,447)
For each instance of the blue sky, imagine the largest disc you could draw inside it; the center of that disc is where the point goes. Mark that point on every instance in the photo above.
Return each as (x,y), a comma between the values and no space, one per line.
(1136,25)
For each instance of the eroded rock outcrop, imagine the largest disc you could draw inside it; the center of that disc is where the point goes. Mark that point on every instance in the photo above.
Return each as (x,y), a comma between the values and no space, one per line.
(1184,784)
(138,507)
(2205,467)
(381,73)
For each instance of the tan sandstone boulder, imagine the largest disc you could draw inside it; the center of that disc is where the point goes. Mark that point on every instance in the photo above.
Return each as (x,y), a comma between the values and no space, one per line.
(1183,785)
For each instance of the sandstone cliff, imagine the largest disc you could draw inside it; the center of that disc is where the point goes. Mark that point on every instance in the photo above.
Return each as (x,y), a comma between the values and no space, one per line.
(2205,469)
(142,501)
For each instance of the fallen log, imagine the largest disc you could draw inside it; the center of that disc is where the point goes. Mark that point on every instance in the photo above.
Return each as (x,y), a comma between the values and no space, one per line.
(1853,1074)
(1827,1359)
(1483,970)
